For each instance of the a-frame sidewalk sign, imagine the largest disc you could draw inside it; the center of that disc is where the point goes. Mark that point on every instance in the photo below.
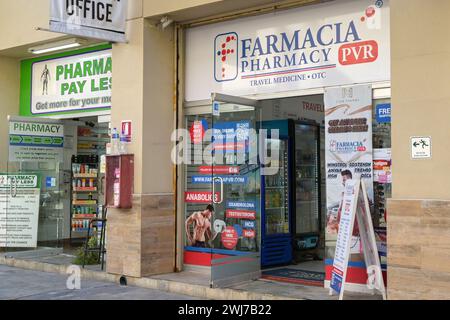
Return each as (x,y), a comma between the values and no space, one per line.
(355,204)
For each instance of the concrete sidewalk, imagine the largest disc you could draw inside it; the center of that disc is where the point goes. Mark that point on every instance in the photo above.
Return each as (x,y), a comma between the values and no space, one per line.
(198,284)
(20,284)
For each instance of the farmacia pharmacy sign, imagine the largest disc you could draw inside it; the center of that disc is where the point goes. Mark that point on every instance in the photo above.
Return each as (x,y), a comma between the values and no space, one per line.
(314,46)
(74,83)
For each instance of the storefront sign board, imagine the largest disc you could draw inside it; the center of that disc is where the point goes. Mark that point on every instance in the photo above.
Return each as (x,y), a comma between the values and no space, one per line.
(75,83)
(100,19)
(36,141)
(19,210)
(331,44)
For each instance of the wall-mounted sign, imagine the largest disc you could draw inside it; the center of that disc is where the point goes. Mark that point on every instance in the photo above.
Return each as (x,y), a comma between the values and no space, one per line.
(383,113)
(330,44)
(126,130)
(36,141)
(421,147)
(19,210)
(101,19)
(71,84)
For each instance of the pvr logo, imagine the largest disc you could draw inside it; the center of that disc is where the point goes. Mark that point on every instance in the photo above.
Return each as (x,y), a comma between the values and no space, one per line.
(226,57)
(359,52)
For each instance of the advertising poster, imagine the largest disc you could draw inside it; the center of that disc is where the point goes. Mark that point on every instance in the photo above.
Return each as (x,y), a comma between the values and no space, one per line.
(73,83)
(382,159)
(19,210)
(348,149)
(343,242)
(36,141)
(329,44)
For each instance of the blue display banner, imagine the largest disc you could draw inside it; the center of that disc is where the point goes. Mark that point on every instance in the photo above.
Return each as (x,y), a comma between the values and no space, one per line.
(226,179)
(241,204)
(231,137)
(383,113)
(249,224)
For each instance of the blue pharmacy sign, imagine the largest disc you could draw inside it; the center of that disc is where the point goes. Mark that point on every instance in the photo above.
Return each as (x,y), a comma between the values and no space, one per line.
(383,113)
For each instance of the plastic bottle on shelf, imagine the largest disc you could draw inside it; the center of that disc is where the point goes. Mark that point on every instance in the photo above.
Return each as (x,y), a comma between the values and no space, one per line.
(123,144)
(115,142)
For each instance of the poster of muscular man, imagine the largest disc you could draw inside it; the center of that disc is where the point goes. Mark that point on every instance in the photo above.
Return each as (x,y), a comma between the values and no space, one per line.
(198,228)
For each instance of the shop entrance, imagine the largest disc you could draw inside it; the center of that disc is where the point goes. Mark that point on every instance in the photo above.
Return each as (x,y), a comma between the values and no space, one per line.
(53,185)
(262,219)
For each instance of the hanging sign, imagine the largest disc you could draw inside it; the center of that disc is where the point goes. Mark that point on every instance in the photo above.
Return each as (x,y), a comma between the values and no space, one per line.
(72,84)
(356,206)
(36,141)
(330,44)
(19,210)
(100,19)
(348,147)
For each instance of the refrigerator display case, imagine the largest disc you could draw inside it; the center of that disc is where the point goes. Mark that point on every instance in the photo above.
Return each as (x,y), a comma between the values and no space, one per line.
(276,242)
(307,219)
(291,197)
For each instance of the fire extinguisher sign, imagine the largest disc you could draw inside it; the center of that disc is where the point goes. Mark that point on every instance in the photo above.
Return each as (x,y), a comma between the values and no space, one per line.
(126,130)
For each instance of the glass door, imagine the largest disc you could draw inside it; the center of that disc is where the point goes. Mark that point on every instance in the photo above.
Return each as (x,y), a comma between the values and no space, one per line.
(235,185)
(31,197)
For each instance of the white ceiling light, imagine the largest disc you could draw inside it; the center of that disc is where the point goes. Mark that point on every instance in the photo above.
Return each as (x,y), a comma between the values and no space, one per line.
(57,46)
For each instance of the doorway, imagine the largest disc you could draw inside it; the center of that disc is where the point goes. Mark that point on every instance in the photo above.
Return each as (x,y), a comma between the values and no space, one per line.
(276,217)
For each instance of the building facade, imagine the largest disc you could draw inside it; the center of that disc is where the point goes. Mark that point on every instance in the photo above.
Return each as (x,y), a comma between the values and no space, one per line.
(164,77)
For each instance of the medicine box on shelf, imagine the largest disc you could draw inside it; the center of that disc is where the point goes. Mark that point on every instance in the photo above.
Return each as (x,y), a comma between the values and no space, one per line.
(119,181)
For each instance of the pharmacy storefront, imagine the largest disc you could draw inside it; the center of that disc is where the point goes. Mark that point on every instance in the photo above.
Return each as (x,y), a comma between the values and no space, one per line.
(280,109)
(54,181)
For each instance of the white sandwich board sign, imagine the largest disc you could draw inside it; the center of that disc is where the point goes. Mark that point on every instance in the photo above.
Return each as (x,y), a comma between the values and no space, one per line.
(355,205)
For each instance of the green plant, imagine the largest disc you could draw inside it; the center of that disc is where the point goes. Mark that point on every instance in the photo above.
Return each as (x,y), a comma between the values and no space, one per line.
(91,257)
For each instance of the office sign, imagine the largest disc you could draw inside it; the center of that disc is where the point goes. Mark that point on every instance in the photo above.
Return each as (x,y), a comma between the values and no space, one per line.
(100,19)
(36,141)
(316,46)
(72,84)
(19,210)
